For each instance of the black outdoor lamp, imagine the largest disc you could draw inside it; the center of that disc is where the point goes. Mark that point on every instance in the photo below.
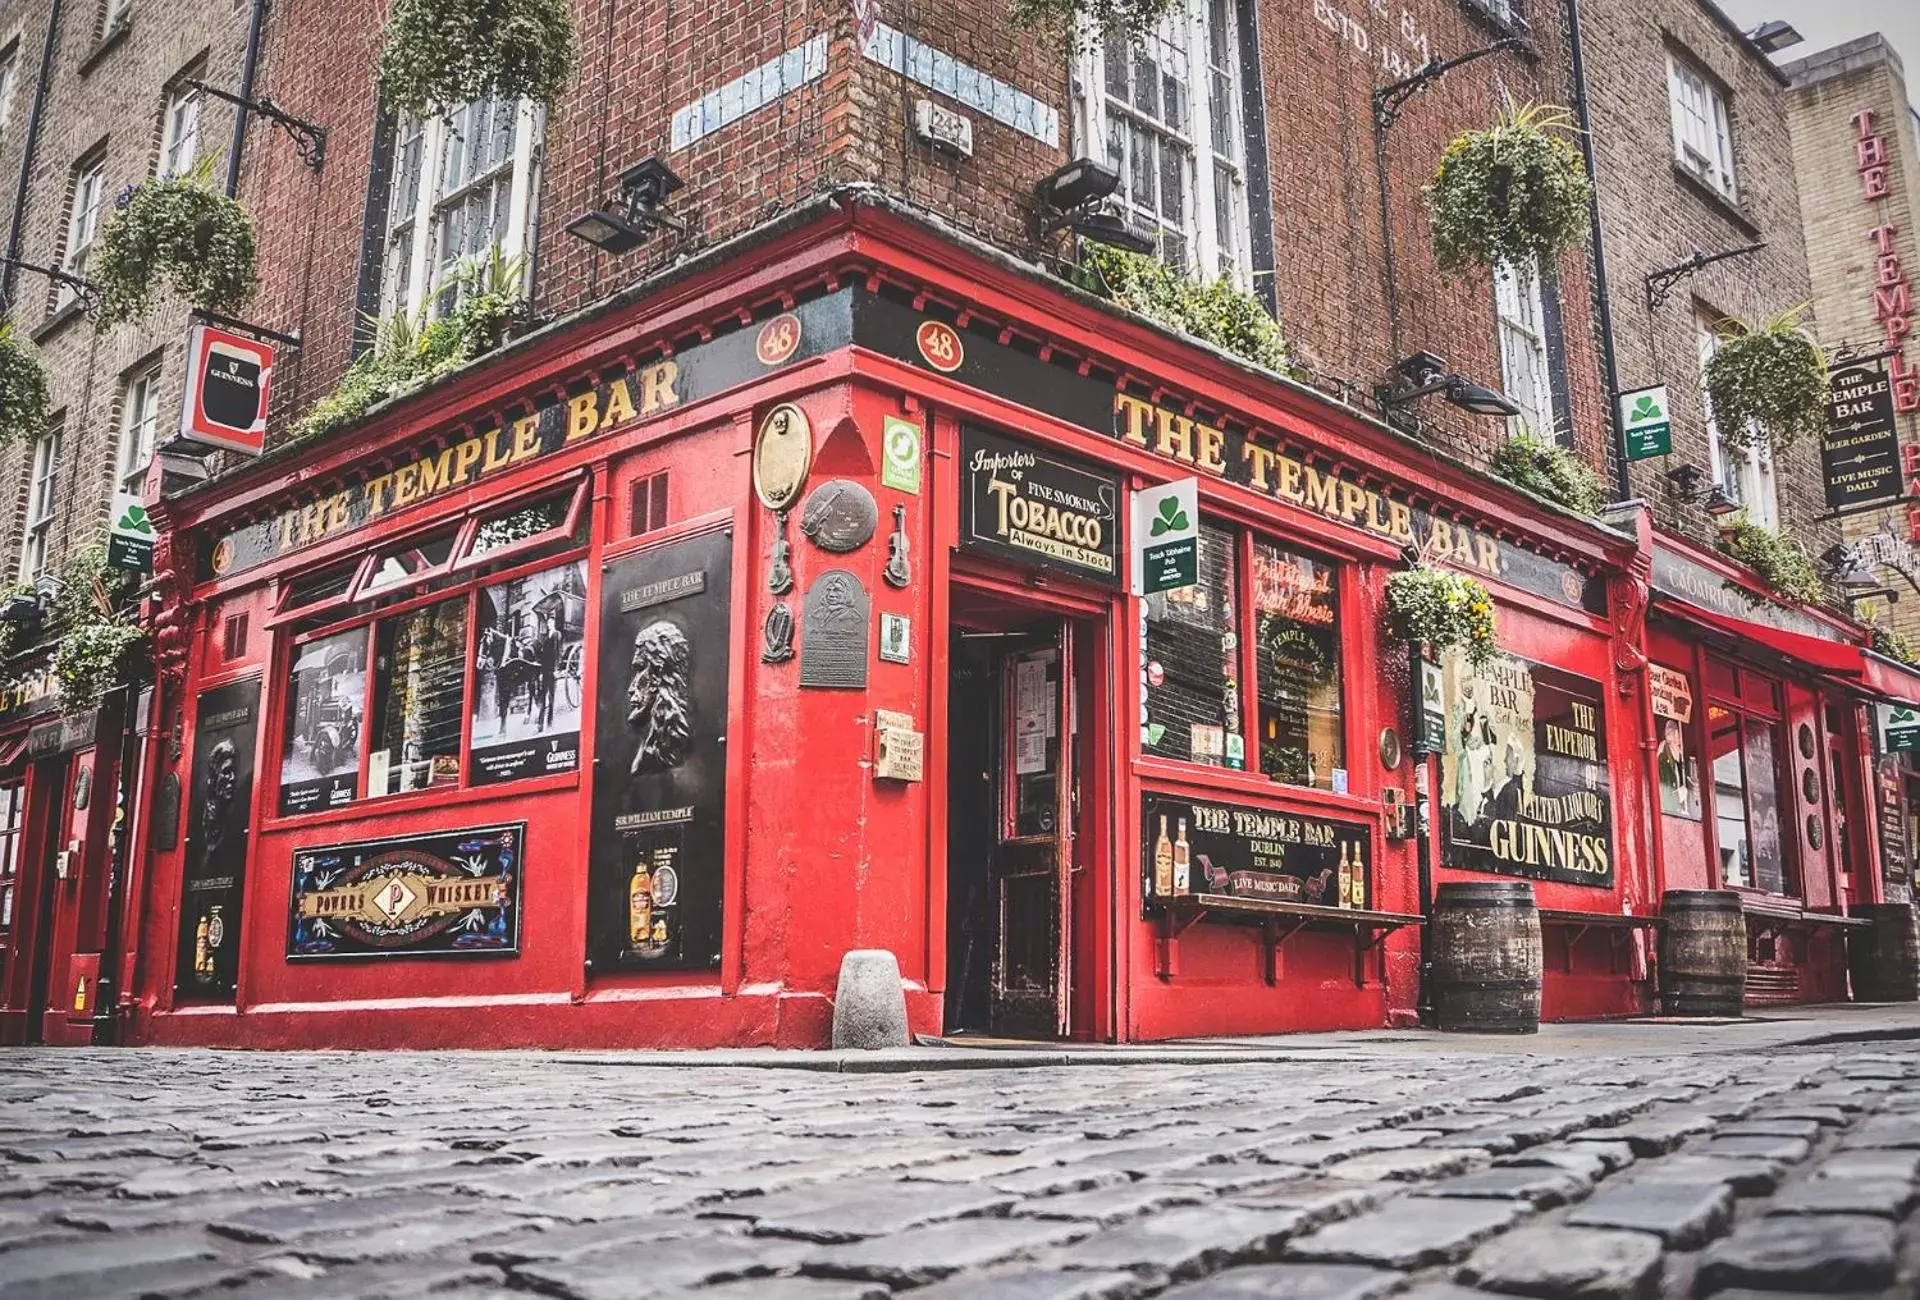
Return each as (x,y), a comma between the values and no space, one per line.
(635,212)
(1424,374)
(1070,194)
(21,608)
(1775,35)
(1719,504)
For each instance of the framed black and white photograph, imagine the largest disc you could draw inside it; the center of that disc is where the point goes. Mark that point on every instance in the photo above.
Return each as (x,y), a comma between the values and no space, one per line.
(896,638)
(529,645)
(320,755)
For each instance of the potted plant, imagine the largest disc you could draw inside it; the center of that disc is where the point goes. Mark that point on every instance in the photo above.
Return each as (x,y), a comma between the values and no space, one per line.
(1766,380)
(1780,562)
(181,231)
(1435,607)
(440,54)
(1512,192)
(23,387)
(1549,470)
(1215,311)
(1069,24)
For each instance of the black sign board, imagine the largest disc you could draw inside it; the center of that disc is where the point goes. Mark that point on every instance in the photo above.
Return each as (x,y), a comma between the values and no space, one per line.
(1247,852)
(451,892)
(1037,508)
(659,801)
(214,868)
(1896,871)
(1860,451)
(1524,786)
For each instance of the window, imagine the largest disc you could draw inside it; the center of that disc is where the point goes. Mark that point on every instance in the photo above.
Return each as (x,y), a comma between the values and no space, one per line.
(139,417)
(463,187)
(42,488)
(1741,727)
(83,218)
(1296,646)
(13,807)
(1702,140)
(180,128)
(111,12)
(1508,15)
(1193,709)
(1523,349)
(420,685)
(1166,115)
(1745,475)
(9,77)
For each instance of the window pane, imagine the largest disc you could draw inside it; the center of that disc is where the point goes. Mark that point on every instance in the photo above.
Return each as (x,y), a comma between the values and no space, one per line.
(320,760)
(420,684)
(1117,57)
(319,587)
(526,521)
(402,563)
(1763,807)
(528,641)
(1193,712)
(1729,796)
(1296,635)
(1146,83)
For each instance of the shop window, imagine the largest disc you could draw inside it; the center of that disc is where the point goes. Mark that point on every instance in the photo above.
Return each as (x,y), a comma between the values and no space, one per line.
(13,806)
(326,699)
(420,684)
(1296,638)
(552,522)
(1192,650)
(1743,755)
(319,591)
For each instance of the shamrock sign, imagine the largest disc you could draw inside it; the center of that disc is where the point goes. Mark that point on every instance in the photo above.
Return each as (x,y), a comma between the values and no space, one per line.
(1646,408)
(1644,419)
(1171,519)
(1899,727)
(134,520)
(1166,537)
(130,535)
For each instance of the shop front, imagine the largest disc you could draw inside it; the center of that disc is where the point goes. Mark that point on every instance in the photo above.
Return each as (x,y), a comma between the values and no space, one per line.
(614,691)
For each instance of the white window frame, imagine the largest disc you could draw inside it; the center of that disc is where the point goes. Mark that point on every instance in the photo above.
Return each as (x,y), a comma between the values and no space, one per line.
(9,77)
(1744,475)
(411,284)
(1519,311)
(1702,127)
(139,425)
(83,222)
(111,11)
(179,128)
(43,486)
(1187,33)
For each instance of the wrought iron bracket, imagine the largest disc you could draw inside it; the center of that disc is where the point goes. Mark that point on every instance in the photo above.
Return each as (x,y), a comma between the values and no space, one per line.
(1660,283)
(291,341)
(84,290)
(309,138)
(1390,99)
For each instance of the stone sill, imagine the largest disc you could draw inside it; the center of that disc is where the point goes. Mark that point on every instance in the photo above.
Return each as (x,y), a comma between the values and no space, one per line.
(108,40)
(1725,206)
(58,321)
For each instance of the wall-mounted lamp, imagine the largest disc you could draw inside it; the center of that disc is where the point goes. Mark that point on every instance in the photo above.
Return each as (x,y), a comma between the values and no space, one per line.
(1719,504)
(1775,35)
(21,608)
(1423,374)
(1070,196)
(635,212)
(1685,480)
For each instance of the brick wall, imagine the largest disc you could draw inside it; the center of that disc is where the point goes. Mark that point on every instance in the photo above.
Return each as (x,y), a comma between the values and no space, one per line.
(1655,216)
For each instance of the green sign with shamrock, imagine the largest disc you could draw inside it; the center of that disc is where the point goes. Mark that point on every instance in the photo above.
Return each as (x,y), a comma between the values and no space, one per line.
(1899,728)
(1166,537)
(1646,422)
(130,534)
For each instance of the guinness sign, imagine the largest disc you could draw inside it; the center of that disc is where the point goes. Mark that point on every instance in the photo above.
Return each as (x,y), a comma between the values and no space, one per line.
(1038,509)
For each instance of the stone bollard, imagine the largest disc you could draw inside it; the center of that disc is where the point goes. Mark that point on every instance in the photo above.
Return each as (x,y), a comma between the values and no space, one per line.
(869,1007)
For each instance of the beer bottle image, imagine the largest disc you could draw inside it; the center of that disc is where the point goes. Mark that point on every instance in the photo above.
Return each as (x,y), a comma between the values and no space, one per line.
(1182,862)
(1163,862)
(1346,877)
(202,959)
(640,907)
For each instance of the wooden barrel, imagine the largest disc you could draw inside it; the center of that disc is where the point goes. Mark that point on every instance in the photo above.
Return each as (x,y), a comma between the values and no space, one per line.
(1483,949)
(1703,953)
(1886,959)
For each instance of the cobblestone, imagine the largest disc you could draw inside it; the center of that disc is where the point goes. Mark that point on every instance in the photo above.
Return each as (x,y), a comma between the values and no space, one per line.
(291,1176)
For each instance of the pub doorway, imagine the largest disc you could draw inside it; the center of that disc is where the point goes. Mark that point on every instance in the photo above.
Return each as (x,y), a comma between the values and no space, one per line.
(1019,894)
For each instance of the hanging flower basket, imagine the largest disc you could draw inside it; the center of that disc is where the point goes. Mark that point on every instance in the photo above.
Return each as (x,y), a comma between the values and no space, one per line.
(1513,192)
(96,629)
(23,387)
(180,231)
(1781,562)
(1548,470)
(1216,312)
(441,54)
(1428,605)
(1072,24)
(1767,381)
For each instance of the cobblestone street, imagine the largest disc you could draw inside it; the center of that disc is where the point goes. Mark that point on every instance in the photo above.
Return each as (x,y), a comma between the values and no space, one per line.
(176,1173)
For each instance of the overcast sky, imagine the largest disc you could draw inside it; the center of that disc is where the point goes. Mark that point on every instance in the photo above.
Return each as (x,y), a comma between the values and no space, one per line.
(1827,23)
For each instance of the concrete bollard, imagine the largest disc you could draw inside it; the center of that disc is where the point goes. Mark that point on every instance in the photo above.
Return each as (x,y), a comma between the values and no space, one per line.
(869,1007)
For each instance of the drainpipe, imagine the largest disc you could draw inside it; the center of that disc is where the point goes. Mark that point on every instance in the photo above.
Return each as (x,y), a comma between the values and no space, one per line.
(1622,488)
(247,66)
(26,154)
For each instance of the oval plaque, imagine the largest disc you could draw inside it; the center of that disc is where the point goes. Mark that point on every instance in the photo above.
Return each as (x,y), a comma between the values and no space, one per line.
(1806,740)
(1809,785)
(782,455)
(840,516)
(1815,835)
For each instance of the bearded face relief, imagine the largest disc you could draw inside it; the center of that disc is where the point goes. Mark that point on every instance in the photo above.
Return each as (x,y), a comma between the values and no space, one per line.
(223,776)
(659,697)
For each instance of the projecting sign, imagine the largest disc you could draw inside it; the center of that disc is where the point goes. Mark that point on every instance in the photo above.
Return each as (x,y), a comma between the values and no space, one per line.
(1899,727)
(1166,537)
(1860,450)
(1646,422)
(228,375)
(130,534)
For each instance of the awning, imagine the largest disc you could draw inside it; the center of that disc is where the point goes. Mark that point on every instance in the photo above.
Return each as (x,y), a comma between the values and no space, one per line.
(1841,659)
(1891,680)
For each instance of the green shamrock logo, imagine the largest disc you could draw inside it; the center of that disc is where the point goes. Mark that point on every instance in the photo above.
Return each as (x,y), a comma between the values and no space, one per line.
(1646,408)
(1901,717)
(1171,519)
(135,521)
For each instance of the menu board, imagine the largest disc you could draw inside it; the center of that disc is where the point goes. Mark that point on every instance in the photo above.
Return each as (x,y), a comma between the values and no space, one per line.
(1896,869)
(1247,852)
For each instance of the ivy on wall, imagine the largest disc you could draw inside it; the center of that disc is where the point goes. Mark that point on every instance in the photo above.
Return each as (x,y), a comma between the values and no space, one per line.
(1215,311)
(1549,470)
(440,54)
(1779,561)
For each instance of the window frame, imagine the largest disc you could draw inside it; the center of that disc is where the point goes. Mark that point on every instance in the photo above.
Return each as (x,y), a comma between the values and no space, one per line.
(12,838)
(43,481)
(1749,713)
(144,378)
(9,80)
(1702,120)
(83,222)
(1517,292)
(177,97)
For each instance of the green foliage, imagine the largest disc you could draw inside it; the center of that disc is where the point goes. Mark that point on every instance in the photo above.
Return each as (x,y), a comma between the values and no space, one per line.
(182,231)
(23,387)
(1767,379)
(1781,562)
(408,352)
(1549,470)
(440,54)
(1512,192)
(1428,605)
(1072,24)
(1216,311)
(96,625)
(1893,644)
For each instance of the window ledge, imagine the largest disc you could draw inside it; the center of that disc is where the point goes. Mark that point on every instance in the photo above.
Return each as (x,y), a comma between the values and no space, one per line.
(104,46)
(1727,208)
(58,321)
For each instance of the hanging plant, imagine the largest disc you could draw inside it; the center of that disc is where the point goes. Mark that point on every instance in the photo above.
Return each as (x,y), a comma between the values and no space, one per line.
(182,231)
(1766,381)
(1215,311)
(1894,645)
(1074,24)
(1781,562)
(1515,191)
(23,387)
(440,54)
(1549,470)
(96,628)
(1428,605)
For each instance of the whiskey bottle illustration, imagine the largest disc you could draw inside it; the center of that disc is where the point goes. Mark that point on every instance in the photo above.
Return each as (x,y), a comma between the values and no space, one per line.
(1359,879)
(1346,877)
(1163,862)
(1182,862)
(202,958)
(640,907)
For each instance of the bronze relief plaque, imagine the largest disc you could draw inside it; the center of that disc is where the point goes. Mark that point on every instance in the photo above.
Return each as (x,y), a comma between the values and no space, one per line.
(833,632)
(840,516)
(782,455)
